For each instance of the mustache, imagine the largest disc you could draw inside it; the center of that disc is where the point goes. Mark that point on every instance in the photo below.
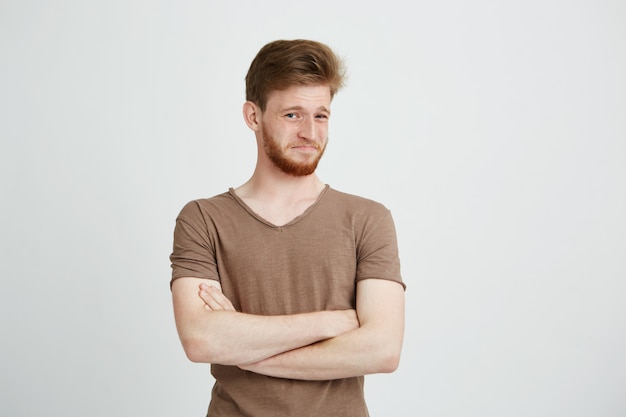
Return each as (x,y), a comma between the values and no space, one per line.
(308,144)
(314,144)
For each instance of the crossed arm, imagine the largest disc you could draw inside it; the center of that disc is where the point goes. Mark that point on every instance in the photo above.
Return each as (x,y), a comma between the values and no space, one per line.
(315,346)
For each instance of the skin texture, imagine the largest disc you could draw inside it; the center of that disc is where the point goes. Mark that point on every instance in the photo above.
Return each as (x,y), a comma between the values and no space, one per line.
(290,156)
(373,347)
(212,332)
(291,136)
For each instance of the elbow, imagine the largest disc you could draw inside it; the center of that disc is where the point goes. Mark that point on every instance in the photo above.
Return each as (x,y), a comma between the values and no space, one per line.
(201,350)
(195,356)
(388,360)
(196,350)
(389,363)
(193,353)
(383,353)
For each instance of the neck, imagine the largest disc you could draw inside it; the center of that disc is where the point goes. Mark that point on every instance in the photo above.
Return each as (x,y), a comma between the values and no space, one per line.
(278,186)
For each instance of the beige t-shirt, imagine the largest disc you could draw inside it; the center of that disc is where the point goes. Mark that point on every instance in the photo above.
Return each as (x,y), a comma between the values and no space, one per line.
(309,264)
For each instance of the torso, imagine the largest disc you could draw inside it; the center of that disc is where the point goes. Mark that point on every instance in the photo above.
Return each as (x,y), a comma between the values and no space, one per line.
(311,263)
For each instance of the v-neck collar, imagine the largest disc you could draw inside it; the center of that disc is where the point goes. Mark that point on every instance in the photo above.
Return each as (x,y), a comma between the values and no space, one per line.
(293,221)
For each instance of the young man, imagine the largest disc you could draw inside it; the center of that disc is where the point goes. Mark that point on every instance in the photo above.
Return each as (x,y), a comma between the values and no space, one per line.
(290,289)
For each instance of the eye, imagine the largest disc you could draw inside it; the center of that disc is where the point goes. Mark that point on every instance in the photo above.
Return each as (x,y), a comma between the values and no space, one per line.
(291,115)
(322,116)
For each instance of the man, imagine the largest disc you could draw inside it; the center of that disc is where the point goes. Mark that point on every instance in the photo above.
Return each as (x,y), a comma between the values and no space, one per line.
(289,288)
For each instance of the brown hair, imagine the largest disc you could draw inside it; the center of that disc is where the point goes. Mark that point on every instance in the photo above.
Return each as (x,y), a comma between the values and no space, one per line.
(283,63)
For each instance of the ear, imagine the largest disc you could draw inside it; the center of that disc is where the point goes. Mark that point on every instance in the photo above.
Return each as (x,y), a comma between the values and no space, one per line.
(252,115)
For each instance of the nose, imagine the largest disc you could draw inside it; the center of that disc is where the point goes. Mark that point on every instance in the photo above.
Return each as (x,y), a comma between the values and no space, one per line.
(307,129)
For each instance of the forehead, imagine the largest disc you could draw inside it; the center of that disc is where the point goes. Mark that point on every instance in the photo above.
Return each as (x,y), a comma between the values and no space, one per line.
(306,96)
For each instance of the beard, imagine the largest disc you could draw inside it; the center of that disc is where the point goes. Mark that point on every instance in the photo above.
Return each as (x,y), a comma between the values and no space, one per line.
(282,161)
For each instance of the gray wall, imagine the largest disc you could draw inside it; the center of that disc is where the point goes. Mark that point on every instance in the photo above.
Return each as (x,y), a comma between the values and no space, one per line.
(494,131)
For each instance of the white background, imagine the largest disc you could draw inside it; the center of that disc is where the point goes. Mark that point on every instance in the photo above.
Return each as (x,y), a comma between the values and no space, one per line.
(494,130)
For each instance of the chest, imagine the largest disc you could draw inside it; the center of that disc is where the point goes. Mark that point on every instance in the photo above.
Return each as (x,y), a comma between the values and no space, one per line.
(300,268)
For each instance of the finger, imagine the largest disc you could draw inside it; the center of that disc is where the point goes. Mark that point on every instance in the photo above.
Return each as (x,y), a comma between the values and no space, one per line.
(209,302)
(219,297)
(215,299)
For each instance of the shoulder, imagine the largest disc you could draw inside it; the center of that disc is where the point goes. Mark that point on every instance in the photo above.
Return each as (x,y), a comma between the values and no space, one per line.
(355,203)
(361,213)
(203,207)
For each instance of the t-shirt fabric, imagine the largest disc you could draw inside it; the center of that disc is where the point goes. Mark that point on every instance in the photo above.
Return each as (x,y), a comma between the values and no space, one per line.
(310,264)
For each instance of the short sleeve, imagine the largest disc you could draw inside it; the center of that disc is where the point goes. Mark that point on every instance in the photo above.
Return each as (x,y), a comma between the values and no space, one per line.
(377,250)
(193,253)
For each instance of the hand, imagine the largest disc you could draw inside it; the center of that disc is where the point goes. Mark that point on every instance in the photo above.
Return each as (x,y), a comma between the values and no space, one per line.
(214,299)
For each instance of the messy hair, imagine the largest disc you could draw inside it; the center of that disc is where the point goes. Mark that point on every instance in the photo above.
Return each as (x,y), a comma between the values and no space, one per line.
(284,63)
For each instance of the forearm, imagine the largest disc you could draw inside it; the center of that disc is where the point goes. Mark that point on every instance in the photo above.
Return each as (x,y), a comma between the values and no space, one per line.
(232,338)
(212,331)
(360,352)
(372,348)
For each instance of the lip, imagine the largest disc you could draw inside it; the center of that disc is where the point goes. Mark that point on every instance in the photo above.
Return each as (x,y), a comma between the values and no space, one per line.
(306,148)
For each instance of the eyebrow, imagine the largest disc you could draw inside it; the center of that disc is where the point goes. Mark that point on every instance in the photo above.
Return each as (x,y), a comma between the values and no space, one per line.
(320,108)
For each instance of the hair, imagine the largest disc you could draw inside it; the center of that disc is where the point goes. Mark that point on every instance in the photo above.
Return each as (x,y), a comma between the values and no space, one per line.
(284,63)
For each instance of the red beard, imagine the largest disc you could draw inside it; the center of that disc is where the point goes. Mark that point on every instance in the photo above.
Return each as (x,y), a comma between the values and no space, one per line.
(282,162)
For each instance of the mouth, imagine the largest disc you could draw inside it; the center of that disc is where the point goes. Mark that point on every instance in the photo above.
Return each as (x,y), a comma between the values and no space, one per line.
(306,147)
